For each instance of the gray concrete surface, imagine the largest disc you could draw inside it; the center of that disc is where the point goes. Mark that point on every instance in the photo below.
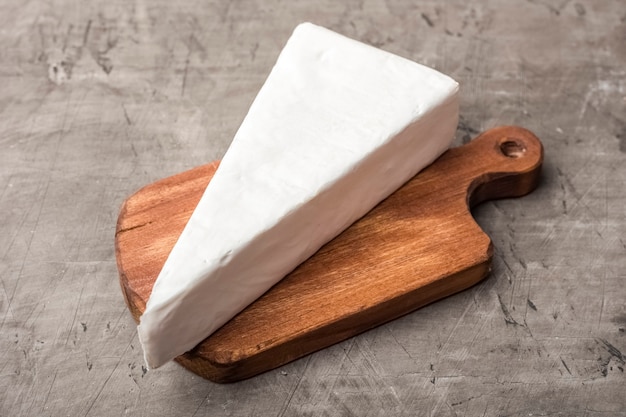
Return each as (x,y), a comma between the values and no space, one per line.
(100,98)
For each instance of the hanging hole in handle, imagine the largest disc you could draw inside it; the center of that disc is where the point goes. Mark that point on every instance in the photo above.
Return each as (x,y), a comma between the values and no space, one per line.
(512,148)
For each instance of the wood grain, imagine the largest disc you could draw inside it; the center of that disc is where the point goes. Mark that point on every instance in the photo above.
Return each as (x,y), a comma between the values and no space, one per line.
(417,246)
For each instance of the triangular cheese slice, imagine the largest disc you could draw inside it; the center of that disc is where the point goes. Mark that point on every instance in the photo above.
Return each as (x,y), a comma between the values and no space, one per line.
(336,128)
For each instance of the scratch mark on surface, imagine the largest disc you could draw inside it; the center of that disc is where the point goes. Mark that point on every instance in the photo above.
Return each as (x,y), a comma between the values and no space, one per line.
(182,90)
(580,197)
(128,121)
(9,308)
(621,136)
(507,315)
(508,267)
(398,343)
(86,33)
(199,405)
(54,378)
(615,352)
(603,298)
(347,353)
(288,402)
(8,186)
(69,333)
(552,9)
(28,246)
(110,375)
(456,325)
(580,9)
(566,367)
(253,51)
(17,230)
(427,19)
(132,147)
(442,399)
(604,361)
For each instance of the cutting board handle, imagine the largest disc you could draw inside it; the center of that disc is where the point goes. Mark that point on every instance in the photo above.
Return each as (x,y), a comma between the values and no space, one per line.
(506,160)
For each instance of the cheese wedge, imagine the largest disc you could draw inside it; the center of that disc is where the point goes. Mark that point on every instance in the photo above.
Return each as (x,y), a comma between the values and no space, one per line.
(336,128)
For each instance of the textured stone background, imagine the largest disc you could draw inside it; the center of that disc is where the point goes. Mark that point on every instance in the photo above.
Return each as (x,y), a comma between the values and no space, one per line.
(101,98)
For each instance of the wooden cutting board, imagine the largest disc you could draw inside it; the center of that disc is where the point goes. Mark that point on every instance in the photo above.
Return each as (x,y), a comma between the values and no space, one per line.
(419,245)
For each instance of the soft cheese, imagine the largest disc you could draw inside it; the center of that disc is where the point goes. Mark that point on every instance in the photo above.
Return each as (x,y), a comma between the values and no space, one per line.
(336,128)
